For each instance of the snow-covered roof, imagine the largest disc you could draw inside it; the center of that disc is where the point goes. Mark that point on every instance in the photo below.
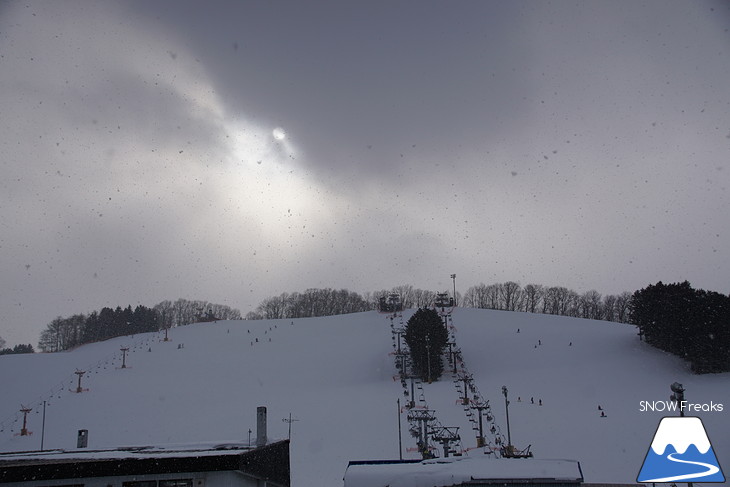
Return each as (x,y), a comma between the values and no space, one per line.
(270,462)
(460,470)
(158,451)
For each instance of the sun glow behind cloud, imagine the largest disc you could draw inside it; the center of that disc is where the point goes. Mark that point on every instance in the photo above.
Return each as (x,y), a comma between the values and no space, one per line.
(144,184)
(263,179)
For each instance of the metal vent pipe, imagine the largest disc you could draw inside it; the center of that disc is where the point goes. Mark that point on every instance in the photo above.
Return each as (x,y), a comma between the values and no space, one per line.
(261,426)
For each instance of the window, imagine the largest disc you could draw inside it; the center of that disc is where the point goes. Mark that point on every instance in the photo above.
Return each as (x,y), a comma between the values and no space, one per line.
(177,483)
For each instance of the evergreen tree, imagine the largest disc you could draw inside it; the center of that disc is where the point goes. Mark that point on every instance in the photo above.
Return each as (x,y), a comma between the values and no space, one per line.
(426,336)
(17,349)
(690,323)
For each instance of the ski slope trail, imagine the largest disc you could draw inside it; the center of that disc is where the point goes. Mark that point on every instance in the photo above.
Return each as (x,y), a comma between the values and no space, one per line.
(334,375)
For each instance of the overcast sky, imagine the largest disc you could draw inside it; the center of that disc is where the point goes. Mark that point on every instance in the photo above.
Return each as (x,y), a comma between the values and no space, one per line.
(581,144)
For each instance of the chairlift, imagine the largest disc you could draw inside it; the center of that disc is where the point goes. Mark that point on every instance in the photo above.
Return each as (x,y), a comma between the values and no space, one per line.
(509,451)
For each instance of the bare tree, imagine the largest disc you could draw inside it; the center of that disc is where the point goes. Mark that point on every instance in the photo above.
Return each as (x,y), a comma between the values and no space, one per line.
(609,307)
(273,307)
(533,296)
(165,313)
(559,300)
(185,312)
(623,302)
(62,333)
(224,312)
(572,304)
(591,305)
(423,298)
(476,296)
(510,295)
(493,294)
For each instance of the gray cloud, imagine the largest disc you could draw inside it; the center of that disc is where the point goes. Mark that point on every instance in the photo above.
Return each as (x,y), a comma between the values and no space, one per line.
(568,143)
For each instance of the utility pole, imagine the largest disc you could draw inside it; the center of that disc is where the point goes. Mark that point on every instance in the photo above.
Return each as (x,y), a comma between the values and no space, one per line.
(290,421)
(43,426)
(400,437)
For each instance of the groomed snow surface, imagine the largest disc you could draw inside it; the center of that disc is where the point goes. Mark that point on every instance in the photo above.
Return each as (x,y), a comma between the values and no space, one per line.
(335,375)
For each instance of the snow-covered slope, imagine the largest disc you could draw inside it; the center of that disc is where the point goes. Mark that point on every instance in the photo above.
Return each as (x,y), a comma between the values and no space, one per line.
(335,376)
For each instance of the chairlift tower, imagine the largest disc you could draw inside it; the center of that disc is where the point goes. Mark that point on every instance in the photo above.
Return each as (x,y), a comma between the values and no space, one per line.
(422,417)
(467,378)
(80,373)
(399,332)
(452,355)
(412,402)
(453,277)
(506,407)
(124,351)
(442,300)
(25,410)
(481,407)
(401,358)
(446,435)
(394,303)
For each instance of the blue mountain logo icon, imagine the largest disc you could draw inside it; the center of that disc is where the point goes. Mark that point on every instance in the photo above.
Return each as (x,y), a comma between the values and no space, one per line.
(680,451)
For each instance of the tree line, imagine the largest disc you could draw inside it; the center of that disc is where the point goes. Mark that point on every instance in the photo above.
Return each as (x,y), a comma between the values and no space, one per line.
(694,324)
(22,348)
(310,303)
(691,323)
(555,300)
(184,311)
(67,333)
(508,296)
